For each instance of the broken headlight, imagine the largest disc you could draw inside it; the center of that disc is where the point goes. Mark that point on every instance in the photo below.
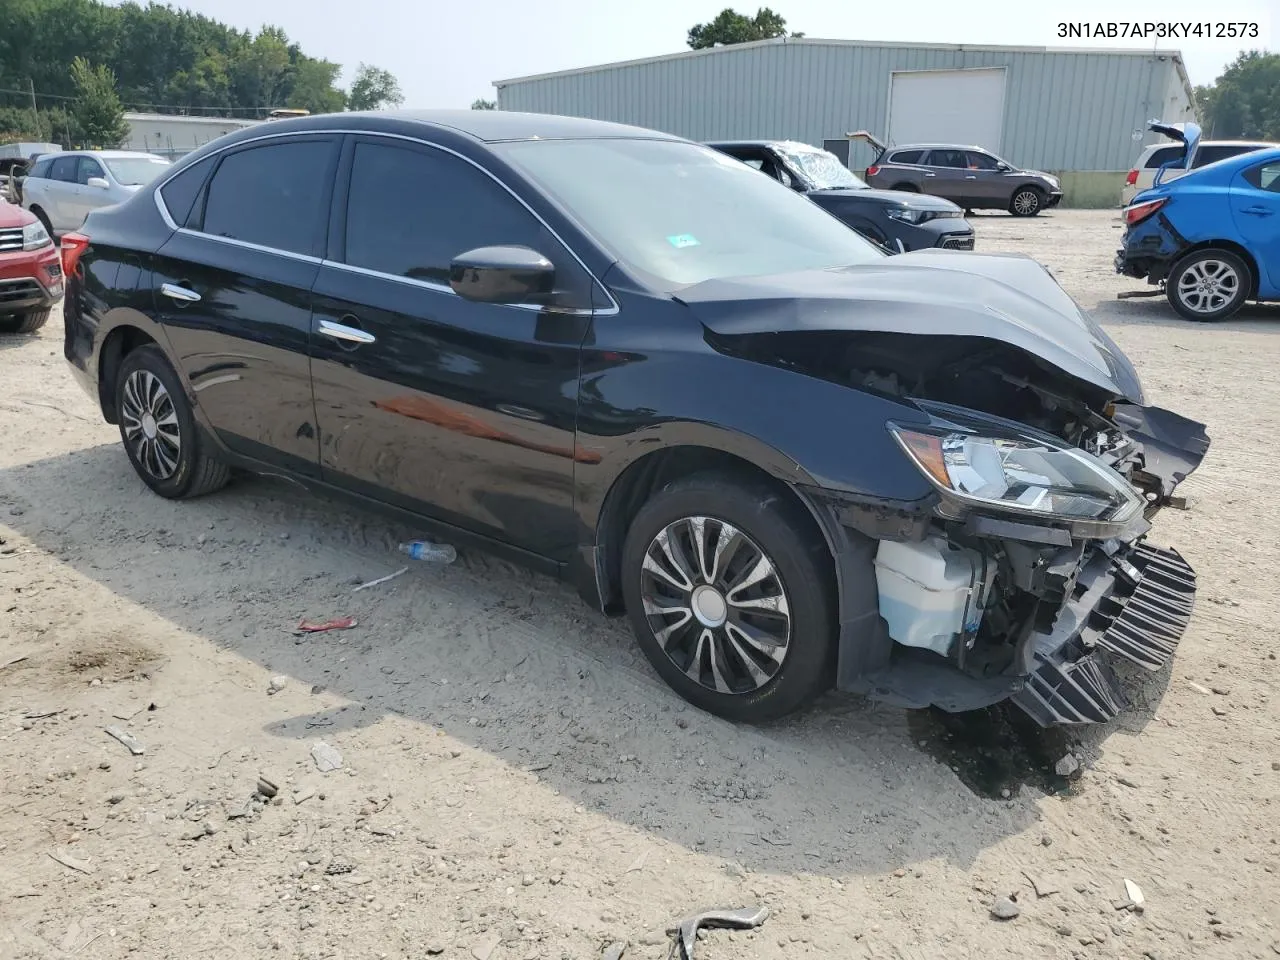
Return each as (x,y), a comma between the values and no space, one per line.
(1023,474)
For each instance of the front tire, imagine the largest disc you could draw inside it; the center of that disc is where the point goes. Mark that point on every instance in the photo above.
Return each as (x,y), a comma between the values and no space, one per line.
(1208,285)
(28,322)
(1026,202)
(159,431)
(731,595)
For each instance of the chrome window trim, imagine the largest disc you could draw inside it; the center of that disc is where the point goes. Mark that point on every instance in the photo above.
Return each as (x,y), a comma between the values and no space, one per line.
(609,311)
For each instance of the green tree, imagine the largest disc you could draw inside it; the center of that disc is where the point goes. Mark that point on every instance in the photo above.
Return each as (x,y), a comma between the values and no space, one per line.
(373,88)
(97,106)
(1243,103)
(483,104)
(731,27)
(313,87)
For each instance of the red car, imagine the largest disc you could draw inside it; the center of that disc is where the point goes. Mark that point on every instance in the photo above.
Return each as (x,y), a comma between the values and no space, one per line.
(30,271)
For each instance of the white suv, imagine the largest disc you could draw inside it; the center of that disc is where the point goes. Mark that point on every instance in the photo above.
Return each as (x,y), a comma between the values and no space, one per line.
(1153,157)
(62,188)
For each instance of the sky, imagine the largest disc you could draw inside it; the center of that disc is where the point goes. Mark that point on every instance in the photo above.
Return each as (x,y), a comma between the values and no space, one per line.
(448,54)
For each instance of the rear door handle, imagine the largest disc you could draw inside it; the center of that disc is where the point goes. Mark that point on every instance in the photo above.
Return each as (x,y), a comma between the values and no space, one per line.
(175,292)
(930,174)
(970,177)
(1258,211)
(340,331)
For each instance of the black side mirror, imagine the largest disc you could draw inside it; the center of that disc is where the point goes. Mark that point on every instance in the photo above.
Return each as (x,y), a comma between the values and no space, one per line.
(502,275)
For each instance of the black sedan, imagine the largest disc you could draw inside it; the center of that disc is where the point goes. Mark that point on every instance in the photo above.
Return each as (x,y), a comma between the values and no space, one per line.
(896,220)
(791,459)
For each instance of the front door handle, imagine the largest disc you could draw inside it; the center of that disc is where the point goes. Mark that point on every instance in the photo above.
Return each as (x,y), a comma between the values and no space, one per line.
(176,292)
(970,177)
(339,331)
(1258,211)
(930,174)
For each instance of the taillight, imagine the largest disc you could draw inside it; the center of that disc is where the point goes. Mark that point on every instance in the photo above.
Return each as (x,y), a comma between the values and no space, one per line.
(1132,178)
(1140,211)
(872,170)
(73,245)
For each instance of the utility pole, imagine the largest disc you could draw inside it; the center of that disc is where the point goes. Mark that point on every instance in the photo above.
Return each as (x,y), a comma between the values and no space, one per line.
(35,112)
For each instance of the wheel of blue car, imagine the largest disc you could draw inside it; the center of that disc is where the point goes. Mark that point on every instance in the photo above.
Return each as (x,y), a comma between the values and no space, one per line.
(730,591)
(159,430)
(1208,285)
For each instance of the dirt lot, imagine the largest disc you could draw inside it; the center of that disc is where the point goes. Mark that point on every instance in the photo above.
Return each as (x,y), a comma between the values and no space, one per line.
(515,781)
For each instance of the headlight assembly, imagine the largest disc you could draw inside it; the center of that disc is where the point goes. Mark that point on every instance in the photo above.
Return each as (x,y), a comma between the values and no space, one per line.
(35,236)
(1019,474)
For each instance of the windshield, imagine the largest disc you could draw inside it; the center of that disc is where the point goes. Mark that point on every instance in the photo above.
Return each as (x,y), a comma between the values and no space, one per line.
(135,171)
(823,170)
(684,213)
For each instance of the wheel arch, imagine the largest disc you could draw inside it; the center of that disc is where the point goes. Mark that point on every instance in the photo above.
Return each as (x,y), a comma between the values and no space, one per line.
(653,471)
(118,344)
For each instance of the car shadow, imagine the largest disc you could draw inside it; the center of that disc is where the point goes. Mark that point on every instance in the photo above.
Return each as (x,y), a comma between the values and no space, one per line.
(515,664)
(1155,311)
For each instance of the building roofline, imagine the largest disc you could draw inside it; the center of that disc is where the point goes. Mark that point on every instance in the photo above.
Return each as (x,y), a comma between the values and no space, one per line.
(1176,55)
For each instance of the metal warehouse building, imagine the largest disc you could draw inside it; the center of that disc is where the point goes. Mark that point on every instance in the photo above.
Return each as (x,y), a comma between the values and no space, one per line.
(1080,114)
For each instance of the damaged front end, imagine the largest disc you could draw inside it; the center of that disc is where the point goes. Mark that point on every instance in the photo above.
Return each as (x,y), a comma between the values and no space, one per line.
(1030,567)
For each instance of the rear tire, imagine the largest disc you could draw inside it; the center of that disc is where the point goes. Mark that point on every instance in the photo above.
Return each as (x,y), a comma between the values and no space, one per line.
(28,322)
(1208,285)
(1026,202)
(158,429)
(751,632)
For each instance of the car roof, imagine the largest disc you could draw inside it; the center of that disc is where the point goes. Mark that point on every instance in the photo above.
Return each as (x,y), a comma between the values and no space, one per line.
(487,126)
(935,146)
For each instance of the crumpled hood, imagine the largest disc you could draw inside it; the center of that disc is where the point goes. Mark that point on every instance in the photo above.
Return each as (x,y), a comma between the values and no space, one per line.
(1004,297)
(895,198)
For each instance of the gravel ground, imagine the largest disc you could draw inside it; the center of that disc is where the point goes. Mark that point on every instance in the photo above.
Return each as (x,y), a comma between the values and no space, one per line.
(515,783)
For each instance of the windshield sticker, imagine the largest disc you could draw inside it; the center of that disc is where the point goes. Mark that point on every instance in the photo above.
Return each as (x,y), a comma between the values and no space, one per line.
(682,240)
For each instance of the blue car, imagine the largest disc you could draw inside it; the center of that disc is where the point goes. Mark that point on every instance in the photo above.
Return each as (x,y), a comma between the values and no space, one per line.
(1211,237)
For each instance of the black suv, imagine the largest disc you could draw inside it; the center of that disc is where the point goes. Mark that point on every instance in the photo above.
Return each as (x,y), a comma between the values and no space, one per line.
(791,459)
(893,219)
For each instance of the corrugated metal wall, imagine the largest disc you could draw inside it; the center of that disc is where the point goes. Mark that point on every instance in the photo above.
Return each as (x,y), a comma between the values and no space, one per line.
(1063,111)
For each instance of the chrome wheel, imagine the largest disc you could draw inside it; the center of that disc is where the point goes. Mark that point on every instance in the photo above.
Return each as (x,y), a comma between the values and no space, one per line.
(150,424)
(1208,285)
(1026,203)
(716,605)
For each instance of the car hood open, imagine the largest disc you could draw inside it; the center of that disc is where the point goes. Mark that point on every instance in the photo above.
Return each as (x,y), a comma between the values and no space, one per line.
(1003,297)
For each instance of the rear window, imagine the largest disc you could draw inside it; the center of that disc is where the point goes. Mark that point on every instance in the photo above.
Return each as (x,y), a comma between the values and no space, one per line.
(1212,153)
(906,156)
(1162,155)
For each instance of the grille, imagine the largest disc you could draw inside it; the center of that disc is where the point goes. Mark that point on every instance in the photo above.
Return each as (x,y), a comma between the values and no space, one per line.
(957,243)
(11,291)
(10,239)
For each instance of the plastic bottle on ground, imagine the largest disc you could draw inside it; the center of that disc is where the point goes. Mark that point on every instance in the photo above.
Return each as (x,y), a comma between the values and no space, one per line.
(431,552)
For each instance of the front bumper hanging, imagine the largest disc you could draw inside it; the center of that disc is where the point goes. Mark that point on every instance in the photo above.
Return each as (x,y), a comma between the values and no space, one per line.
(1135,603)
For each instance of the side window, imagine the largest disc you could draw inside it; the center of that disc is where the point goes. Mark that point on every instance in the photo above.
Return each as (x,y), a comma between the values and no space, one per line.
(982,161)
(272,195)
(948,158)
(1162,156)
(756,163)
(40,169)
(64,169)
(1214,153)
(1265,177)
(179,194)
(906,156)
(88,167)
(411,211)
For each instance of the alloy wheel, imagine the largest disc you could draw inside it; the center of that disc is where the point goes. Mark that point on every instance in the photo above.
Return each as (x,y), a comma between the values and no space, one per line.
(1206,286)
(150,424)
(716,605)
(1026,202)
